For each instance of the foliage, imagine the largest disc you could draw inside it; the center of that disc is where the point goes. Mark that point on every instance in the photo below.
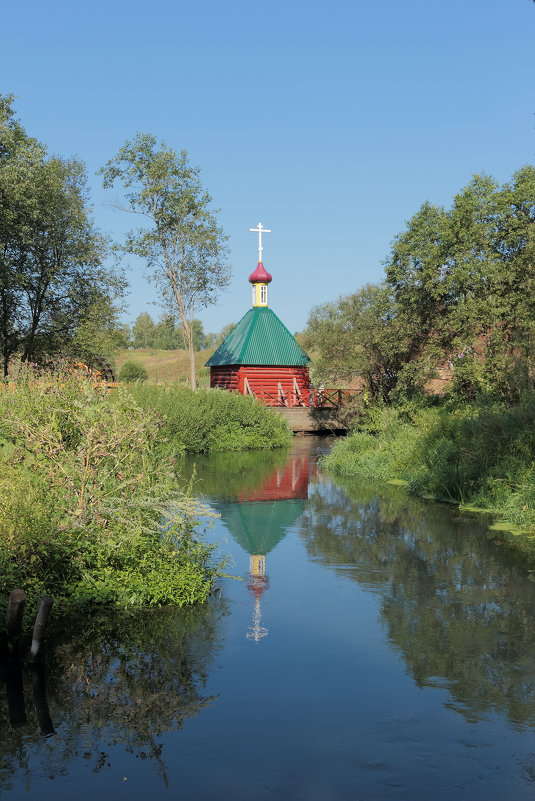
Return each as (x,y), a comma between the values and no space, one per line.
(52,276)
(211,420)
(83,494)
(99,333)
(183,245)
(467,276)
(165,335)
(459,289)
(480,454)
(132,371)
(365,335)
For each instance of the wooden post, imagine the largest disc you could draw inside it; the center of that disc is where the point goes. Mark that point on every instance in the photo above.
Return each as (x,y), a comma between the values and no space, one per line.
(41,620)
(15,611)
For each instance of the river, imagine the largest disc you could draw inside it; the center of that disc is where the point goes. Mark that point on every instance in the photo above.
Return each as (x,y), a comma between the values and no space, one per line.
(365,646)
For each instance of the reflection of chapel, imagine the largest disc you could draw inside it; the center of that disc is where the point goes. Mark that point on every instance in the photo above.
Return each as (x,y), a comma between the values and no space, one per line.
(260,357)
(261,520)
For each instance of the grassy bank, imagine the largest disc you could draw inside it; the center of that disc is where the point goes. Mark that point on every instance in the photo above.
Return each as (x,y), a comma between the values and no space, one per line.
(86,481)
(477,455)
(166,365)
(210,420)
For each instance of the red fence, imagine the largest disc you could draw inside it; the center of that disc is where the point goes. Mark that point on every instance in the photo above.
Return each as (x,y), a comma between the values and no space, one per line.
(310,398)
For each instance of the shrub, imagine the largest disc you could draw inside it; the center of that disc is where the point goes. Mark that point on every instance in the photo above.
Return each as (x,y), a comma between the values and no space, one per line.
(480,454)
(211,420)
(83,497)
(132,371)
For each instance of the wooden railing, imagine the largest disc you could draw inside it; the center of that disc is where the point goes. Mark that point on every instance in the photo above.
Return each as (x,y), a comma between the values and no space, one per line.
(328,398)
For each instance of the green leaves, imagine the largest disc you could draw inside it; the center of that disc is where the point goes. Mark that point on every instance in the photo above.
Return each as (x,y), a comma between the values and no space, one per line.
(367,335)
(210,420)
(89,509)
(181,242)
(469,272)
(459,290)
(51,257)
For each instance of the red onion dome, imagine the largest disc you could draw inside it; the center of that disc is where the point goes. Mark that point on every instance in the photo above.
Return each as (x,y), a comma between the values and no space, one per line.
(260,275)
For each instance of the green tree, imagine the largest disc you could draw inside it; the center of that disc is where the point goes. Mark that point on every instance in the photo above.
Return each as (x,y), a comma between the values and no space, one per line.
(51,257)
(199,337)
(225,331)
(99,333)
(182,243)
(365,336)
(466,277)
(166,335)
(143,331)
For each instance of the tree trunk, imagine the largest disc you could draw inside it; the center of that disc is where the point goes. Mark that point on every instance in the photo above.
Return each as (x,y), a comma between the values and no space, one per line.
(188,336)
(186,324)
(192,362)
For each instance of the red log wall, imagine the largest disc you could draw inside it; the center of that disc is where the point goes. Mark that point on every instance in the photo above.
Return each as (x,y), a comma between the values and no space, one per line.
(264,382)
(225,377)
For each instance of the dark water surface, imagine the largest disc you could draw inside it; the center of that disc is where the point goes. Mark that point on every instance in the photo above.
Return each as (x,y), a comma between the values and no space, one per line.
(374,647)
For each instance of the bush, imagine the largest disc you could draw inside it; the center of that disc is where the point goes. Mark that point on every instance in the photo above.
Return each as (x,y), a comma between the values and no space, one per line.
(480,454)
(132,371)
(83,493)
(211,420)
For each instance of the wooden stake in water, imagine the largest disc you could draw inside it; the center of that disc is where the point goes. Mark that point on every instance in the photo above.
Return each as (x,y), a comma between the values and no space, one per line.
(41,620)
(15,612)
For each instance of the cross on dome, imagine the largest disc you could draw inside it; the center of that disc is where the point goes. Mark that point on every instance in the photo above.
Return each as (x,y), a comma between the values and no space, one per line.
(261,230)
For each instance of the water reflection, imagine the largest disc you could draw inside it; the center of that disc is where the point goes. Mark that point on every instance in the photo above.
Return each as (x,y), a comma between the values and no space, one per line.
(259,498)
(418,707)
(456,606)
(114,684)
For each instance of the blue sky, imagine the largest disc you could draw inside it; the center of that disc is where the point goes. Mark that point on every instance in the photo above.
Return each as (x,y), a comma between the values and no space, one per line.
(329,123)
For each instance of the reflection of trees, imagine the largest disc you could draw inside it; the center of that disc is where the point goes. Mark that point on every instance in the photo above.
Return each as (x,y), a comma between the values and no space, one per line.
(227,474)
(458,608)
(231,476)
(115,679)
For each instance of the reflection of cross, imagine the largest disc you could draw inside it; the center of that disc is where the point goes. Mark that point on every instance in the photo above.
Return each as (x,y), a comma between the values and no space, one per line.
(260,230)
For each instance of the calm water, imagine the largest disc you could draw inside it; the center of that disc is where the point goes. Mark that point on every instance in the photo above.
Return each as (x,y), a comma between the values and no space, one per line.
(371,647)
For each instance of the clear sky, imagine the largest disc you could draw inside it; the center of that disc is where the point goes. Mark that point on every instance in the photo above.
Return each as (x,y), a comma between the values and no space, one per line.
(328,122)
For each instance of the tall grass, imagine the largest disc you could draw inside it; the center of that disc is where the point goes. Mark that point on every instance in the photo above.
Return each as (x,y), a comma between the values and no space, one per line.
(83,496)
(479,454)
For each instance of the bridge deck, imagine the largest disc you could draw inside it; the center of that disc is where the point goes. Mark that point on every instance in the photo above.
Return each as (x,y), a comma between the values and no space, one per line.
(311,420)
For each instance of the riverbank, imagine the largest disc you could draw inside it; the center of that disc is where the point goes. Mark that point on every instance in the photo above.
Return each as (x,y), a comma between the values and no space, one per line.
(480,456)
(210,420)
(87,477)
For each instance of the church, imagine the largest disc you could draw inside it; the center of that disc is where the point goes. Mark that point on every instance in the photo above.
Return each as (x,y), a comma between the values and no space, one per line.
(260,357)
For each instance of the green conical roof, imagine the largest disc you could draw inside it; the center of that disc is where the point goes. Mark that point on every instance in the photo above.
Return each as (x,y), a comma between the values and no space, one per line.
(259,338)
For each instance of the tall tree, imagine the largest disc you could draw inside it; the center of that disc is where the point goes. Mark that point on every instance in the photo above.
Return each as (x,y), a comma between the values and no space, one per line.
(365,335)
(51,257)
(181,242)
(143,331)
(467,276)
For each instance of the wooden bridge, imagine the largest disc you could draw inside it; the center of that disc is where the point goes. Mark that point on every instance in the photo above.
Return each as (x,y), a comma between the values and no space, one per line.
(313,411)
(310,398)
